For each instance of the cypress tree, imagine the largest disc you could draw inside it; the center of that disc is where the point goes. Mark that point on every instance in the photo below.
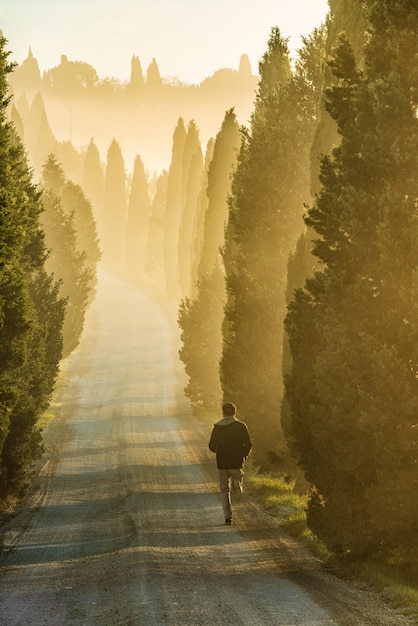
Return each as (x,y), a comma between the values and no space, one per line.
(201,317)
(202,205)
(31,311)
(155,250)
(93,181)
(139,211)
(27,77)
(200,321)
(349,18)
(192,181)
(353,387)
(136,85)
(224,160)
(39,136)
(154,85)
(174,205)
(75,203)
(115,208)
(270,186)
(67,259)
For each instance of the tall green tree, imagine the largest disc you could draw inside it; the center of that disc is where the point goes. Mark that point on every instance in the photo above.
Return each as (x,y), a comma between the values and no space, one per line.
(269,189)
(67,259)
(353,329)
(221,169)
(201,316)
(349,18)
(202,206)
(75,203)
(200,321)
(174,205)
(192,183)
(31,312)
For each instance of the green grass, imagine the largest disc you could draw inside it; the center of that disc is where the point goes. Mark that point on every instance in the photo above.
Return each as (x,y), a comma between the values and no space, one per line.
(399,587)
(278,497)
(52,411)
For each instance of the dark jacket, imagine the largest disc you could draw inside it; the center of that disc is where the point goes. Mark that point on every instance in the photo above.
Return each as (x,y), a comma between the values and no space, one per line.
(231,442)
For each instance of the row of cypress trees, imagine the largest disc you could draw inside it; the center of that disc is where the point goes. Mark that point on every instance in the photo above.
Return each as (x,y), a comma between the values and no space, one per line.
(31,310)
(47,278)
(352,387)
(328,373)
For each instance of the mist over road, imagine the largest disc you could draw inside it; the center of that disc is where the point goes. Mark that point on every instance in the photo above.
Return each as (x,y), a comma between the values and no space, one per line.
(126,527)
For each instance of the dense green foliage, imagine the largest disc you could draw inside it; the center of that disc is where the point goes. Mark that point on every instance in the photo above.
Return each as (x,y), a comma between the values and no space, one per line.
(31,311)
(221,170)
(353,387)
(200,320)
(269,188)
(191,184)
(70,235)
(173,210)
(201,317)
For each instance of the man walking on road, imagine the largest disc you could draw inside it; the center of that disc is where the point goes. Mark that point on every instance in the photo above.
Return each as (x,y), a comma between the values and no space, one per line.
(231,442)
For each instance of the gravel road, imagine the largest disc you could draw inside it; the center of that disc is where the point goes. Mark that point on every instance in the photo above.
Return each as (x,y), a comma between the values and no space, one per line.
(125,526)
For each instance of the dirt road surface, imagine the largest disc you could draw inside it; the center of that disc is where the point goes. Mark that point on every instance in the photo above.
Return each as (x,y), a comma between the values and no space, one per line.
(125,527)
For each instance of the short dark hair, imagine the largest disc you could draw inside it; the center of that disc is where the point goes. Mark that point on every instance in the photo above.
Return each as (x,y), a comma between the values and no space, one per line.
(229,409)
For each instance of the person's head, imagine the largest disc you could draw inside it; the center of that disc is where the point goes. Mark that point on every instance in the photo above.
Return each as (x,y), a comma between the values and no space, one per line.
(229,409)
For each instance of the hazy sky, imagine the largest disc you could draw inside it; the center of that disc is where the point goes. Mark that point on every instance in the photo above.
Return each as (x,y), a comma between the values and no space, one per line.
(189,39)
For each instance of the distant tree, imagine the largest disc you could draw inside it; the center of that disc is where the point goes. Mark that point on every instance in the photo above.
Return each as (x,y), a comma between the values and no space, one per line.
(93,181)
(353,331)
(17,122)
(201,317)
(191,185)
(154,84)
(138,224)
(70,76)
(245,65)
(40,140)
(202,206)
(53,176)
(173,211)
(136,85)
(270,186)
(115,208)
(31,312)
(221,169)
(155,251)
(23,108)
(27,77)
